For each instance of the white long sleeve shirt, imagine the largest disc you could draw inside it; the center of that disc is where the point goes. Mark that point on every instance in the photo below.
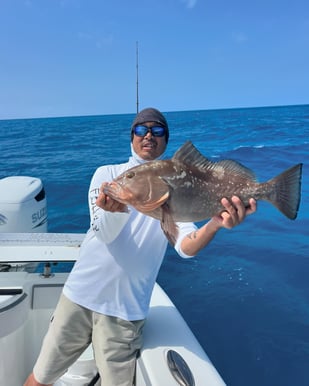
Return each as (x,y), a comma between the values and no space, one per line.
(120,256)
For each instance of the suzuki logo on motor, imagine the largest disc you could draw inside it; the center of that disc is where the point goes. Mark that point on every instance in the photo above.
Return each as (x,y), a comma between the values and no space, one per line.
(38,215)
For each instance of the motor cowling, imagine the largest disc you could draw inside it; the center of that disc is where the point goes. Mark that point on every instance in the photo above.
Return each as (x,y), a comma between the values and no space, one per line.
(23,206)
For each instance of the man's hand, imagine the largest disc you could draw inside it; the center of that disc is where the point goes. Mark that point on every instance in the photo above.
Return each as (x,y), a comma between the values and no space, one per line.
(235,212)
(107,203)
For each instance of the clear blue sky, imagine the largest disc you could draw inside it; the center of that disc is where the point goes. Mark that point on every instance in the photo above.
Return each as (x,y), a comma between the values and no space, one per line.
(77,57)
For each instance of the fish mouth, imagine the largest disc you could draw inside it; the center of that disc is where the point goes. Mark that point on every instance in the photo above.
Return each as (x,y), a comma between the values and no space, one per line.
(114,191)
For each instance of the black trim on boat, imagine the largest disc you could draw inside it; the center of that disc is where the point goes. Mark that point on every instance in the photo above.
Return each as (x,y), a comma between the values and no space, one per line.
(11,291)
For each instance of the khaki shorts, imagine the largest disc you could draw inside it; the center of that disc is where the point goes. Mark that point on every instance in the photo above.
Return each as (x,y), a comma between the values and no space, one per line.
(116,344)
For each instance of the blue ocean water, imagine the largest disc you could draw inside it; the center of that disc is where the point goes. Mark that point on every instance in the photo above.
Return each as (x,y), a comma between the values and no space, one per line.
(246,296)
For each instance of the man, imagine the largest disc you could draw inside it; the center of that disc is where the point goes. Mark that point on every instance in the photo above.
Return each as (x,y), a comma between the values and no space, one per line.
(106,297)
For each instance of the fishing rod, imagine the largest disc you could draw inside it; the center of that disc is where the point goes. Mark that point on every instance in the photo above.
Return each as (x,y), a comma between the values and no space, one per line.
(137,101)
(97,375)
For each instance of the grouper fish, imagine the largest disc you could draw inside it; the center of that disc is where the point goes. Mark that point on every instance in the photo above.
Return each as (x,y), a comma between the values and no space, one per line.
(189,187)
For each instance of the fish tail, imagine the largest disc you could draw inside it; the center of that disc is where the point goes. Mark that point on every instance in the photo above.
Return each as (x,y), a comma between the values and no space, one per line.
(287,189)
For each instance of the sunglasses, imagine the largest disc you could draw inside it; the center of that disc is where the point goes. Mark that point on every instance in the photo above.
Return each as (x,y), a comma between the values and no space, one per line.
(156,131)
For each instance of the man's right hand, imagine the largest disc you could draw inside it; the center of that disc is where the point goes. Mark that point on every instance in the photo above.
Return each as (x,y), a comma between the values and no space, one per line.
(107,203)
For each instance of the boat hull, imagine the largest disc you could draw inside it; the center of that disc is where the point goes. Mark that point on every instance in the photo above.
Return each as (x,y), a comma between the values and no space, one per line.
(27,301)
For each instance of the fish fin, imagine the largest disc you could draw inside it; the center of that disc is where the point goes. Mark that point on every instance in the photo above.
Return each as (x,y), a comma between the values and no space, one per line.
(168,225)
(148,207)
(288,191)
(189,154)
(231,166)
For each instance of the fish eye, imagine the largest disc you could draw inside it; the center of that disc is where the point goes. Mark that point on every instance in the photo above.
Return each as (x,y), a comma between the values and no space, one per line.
(130,175)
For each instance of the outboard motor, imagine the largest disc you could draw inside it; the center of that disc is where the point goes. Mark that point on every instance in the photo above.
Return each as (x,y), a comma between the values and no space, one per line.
(22,205)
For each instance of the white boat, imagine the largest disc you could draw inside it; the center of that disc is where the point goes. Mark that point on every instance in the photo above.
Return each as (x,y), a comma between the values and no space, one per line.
(29,291)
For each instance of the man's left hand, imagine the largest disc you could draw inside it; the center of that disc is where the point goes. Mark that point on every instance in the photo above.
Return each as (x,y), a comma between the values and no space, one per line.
(235,212)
